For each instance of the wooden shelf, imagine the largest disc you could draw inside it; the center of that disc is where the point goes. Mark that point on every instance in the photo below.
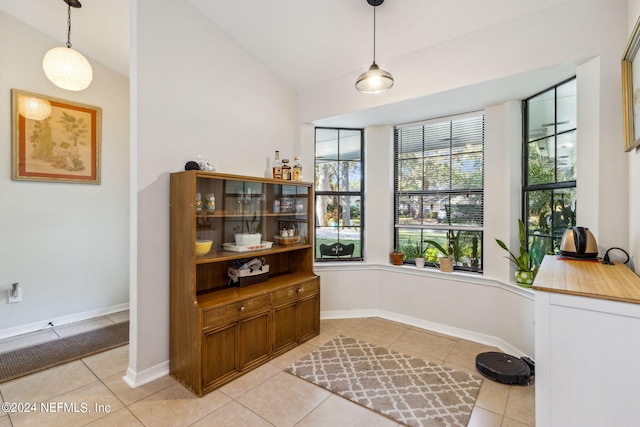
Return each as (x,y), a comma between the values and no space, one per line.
(223,255)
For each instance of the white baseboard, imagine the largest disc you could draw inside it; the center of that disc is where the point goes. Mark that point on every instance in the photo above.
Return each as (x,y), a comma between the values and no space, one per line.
(425,324)
(63,320)
(136,379)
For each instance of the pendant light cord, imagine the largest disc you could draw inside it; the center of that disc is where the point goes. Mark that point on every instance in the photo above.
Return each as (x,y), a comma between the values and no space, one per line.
(69,26)
(374,34)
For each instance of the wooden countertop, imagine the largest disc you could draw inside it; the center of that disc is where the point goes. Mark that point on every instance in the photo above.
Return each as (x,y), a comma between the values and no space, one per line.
(588,279)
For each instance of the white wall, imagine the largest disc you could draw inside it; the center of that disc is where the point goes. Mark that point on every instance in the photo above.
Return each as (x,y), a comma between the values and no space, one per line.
(461,305)
(195,93)
(633,14)
(571,31)
(67,244)
(378,199)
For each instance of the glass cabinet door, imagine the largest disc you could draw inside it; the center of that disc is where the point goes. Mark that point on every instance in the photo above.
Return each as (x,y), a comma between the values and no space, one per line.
(233,212)
(246,210)
(209,207)
(292,204)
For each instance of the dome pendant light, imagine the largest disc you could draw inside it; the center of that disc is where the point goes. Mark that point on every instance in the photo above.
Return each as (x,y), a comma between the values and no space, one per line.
(66,67)
(374,80)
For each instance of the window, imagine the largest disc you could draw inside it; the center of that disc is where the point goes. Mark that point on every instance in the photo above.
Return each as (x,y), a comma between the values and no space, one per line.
(439,188)
(549,172)
(339,191)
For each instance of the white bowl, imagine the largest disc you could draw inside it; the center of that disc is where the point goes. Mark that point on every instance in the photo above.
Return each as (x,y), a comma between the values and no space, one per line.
(203,247)
(248,239)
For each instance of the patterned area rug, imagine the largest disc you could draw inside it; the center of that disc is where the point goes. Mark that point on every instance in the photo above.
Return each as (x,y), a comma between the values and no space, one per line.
(406,389)
(27,360)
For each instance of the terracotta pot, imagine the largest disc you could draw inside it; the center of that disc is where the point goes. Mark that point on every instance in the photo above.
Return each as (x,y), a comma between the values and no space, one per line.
(396,258)
(446,264)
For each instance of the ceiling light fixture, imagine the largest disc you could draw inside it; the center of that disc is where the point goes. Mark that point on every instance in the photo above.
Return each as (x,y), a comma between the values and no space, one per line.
(66,67)
(374,80)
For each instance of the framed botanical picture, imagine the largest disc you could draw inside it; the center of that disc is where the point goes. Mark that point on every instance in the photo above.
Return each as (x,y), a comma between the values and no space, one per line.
(54,139)
(631,91)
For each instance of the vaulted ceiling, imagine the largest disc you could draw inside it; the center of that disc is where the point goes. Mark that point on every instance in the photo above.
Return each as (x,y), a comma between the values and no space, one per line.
(308,42)
(305,42)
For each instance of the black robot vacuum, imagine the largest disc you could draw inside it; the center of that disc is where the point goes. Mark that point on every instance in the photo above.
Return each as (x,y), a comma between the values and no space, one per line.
(505,368)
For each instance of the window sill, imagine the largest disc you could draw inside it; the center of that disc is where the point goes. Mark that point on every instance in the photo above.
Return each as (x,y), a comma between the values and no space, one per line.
(457,276)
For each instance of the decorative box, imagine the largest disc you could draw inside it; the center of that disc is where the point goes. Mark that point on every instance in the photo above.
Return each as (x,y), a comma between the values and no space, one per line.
(247,276)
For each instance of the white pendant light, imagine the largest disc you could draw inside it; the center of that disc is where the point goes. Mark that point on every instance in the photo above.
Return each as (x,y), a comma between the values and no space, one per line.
(66,67)
(34,108)
(374,80)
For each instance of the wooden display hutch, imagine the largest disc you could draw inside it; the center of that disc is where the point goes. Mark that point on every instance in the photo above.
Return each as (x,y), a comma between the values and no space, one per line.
(218,332)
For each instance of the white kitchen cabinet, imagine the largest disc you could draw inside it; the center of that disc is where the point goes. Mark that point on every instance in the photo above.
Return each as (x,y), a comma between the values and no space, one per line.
(587,335)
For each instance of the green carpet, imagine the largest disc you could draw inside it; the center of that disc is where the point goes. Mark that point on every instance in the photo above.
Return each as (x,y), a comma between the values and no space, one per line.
(27,360)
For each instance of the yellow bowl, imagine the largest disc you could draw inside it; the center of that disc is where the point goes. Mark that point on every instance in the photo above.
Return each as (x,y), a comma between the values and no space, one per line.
(203,247)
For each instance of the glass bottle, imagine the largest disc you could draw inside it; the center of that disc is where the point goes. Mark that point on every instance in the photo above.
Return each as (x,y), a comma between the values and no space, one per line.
(286,170)
(277,166)
(297,170)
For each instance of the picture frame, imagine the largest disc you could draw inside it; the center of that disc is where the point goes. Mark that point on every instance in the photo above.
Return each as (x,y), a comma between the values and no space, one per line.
(54,140)
(631,91)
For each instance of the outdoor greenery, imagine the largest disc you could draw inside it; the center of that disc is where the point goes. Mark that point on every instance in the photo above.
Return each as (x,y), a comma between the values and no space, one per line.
(463,246)
(550,212)
(445,252)
(439,189)
(338,175)
(550,180)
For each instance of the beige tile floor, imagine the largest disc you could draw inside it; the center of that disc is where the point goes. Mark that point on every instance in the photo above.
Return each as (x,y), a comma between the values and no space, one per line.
(96,395)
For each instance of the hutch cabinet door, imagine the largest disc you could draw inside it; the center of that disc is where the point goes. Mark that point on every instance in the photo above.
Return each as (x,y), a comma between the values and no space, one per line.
(284,327)
(308,317)
(254,340)
(220,354)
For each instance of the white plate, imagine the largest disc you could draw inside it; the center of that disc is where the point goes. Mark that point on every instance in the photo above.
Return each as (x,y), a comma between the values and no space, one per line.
(233,248)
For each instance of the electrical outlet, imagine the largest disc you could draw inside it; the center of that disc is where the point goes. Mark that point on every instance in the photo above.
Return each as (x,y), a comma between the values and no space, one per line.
(17,297)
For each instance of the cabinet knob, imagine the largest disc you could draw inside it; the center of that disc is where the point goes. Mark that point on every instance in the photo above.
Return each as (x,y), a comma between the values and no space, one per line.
(299,290)
(241,308)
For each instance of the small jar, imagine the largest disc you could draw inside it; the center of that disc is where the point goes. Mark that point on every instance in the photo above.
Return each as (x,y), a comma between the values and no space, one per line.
(198,203)
(286,205)
(210,203)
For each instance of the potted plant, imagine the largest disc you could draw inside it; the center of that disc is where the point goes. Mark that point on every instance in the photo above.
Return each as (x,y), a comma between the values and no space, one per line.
(446,262)
(416,252)
(396,256)
(526,265)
